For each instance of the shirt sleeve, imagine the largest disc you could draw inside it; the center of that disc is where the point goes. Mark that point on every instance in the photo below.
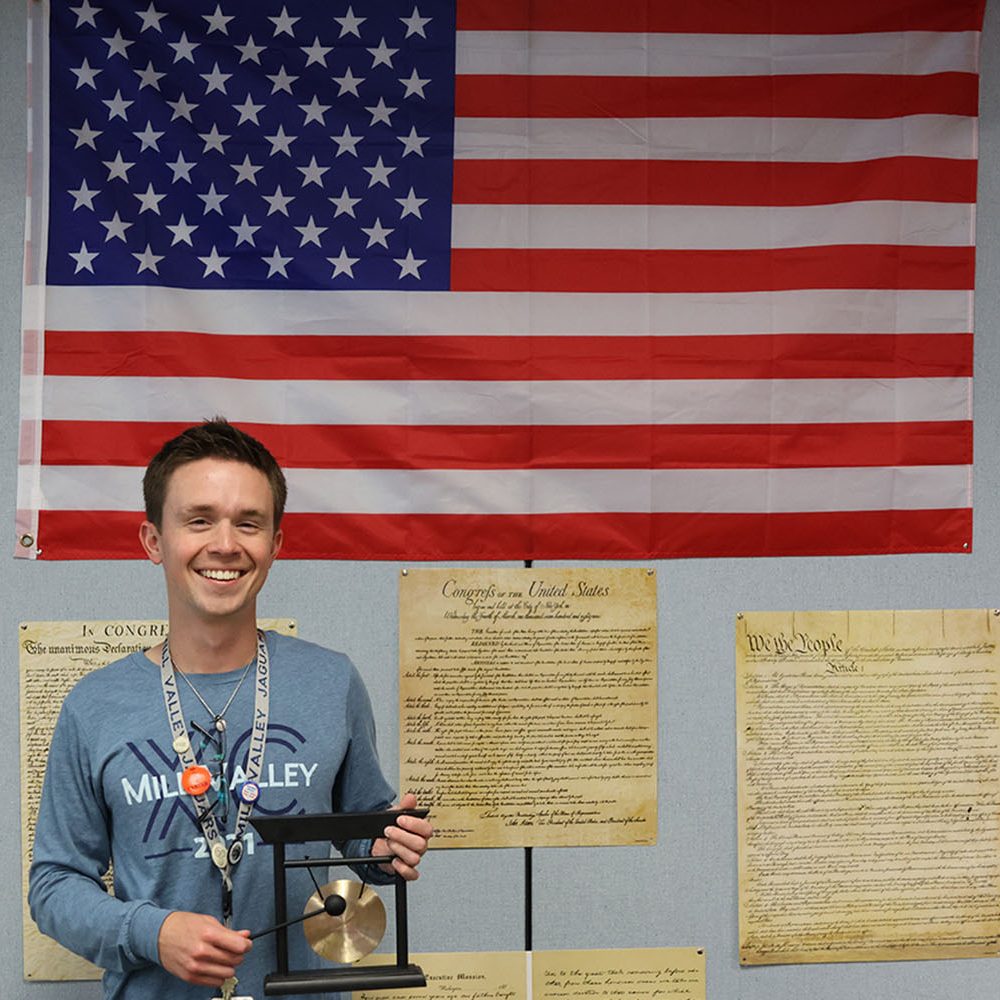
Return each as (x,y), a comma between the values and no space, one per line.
(66,894)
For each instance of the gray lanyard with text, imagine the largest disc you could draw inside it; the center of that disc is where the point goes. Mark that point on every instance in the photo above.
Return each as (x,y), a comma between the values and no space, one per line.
(224,859)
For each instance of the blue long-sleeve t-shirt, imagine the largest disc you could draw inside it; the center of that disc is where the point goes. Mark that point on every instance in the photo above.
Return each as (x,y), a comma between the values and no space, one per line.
(113,794)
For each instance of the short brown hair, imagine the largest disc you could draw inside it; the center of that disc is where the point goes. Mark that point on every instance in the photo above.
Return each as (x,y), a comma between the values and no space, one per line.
(215,438)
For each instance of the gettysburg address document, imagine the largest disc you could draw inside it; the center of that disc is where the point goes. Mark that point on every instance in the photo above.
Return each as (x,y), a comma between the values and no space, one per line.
(528,704)
(869,785)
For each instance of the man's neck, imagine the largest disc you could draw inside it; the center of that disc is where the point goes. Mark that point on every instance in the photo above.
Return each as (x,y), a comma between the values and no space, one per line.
(210,648)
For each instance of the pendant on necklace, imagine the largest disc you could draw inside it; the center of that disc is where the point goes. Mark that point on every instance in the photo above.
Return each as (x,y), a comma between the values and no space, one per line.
(220,724)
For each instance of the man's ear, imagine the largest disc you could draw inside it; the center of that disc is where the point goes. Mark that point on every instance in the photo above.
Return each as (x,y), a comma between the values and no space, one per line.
(279,539)
(149,537)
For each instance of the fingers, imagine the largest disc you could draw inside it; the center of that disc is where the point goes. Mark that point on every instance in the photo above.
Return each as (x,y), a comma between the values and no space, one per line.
(407,839)
(198,949)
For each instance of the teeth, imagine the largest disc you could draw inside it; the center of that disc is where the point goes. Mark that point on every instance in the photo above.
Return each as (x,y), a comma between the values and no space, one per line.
(220,574)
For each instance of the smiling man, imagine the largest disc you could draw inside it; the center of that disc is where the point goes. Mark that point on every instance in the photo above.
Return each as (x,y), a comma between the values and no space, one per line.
(158,760)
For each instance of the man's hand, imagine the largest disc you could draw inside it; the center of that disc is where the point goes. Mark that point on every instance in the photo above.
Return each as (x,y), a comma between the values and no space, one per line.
(407,840)
(198,949)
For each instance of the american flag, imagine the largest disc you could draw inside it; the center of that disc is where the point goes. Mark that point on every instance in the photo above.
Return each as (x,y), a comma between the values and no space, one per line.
(505,279)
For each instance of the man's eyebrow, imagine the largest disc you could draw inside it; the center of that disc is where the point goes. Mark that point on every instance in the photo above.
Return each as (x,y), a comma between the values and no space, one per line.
(207,508)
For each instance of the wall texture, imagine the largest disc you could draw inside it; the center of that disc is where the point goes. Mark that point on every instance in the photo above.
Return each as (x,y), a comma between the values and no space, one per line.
(681,892)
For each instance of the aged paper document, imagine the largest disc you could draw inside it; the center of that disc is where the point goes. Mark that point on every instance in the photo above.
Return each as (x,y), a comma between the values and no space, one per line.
(528,704)
(53,657)
(869,785)
(622,974)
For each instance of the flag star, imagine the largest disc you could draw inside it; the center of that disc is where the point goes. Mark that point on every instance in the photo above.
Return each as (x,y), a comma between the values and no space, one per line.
(250,52)
(349,24)
(316,53)
(280,142)
(116,228)
(275,263)
(118,45)
(281,81)
(85,75)
(246,171)
(84,259)
(182,108)
(283,23)
(148,77)
(409,265)
(85,13)
(214,263)
(184,49)
(217,21)
(213,200)
(85,135)
(377,234)
(213,139)
(118,167)
(278,202)
(315,111)
(149,201)
(313,174)
(413,143)
(346,142)
(182,232)
(379,173)
(84,195)
(415,24)
(382,55)
(349,83)
(148,137)
(151,18)
(216,80)
(248,111)
(181,168)
(344,204)
(117,106)
(381,112)
(310,232)
(148,260)
(244,232)
(410,205)
(342,264)
(414,85)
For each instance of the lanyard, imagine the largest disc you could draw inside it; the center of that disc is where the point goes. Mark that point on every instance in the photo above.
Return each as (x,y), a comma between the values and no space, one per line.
(225,859)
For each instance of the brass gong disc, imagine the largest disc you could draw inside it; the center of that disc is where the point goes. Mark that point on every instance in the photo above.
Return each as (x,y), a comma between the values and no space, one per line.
(356,932)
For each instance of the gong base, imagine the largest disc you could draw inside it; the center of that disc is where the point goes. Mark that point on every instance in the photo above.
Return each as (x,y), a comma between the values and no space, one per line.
(372,977)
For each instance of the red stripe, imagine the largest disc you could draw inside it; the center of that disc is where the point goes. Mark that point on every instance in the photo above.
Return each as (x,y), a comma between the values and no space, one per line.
(815,95)
(898,267)
(170,354)
(706,182)
(696,446)
(722,16)
(114,535)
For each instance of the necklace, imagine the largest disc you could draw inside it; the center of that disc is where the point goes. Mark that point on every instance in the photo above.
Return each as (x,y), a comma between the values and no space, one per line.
(218,718)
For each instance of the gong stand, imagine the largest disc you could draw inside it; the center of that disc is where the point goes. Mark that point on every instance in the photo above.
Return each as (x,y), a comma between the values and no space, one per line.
(336,827)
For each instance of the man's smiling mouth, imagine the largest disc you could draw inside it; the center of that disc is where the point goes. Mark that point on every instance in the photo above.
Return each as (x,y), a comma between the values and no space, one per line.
(221,574)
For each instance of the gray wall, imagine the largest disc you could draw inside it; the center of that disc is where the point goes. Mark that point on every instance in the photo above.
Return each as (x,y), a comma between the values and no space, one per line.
(683,891)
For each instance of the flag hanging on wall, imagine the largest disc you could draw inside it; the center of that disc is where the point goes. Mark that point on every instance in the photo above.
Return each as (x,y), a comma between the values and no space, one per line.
(505,279)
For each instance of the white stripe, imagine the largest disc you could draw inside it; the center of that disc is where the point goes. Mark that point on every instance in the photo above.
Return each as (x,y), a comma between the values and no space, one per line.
(581,53)
(710,227)
(508,314)
(761,140)
(562,403)
(557,491)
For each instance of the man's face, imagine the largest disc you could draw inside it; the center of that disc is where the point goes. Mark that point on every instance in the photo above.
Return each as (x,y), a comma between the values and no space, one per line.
(217,540)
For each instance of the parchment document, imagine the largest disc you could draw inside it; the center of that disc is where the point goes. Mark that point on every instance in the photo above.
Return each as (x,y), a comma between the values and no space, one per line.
(53,657)
(869,785)
(528,704)
(625,974)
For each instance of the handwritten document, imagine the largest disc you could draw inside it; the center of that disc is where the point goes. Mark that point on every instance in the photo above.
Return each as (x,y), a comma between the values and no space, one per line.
(625,974)
(528,704)
(53,657)
(869,785)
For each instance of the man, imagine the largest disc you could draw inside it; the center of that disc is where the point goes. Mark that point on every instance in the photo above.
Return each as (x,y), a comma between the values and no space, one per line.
(158,759)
